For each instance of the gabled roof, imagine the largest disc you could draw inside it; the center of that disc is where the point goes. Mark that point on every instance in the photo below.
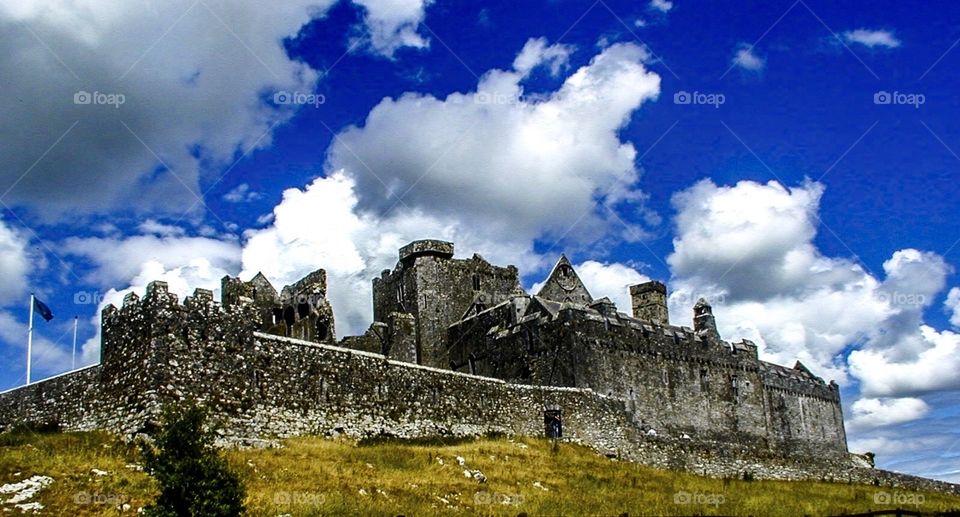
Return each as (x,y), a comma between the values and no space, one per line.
(564,285)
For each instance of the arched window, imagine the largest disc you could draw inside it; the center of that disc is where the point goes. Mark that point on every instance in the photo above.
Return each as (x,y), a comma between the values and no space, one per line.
(323,329)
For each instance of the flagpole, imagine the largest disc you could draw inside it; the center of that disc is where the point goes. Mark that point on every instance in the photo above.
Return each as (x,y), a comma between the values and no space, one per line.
(30,339)
(74,357)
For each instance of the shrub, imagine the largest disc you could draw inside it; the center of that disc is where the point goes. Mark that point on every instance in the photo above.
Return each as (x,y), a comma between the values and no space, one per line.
(194,479)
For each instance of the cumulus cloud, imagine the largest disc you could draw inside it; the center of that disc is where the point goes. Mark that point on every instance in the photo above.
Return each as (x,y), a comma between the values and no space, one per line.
(745,58)
(14,265)
(611,280)
(874,412)
(519,167)
(887,372)
(117,260)
(192,77)
(488,169)
(392,24)
(749,248)
(872,38)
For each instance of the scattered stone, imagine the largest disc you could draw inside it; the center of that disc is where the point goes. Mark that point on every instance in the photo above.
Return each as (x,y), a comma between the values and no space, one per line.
(26,489)
(99,473)
(537,484)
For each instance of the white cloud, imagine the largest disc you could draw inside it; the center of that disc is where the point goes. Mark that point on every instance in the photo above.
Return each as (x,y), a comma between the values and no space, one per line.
(953,305)
(872,38)
(745,58)
(661,5)
(520,168)
(749,248)
(242,194)
(392,24)
(14,265)
(193,77)
(886,372)
(152,226)
(870,413)
(491,176)
(116,261)
(536,52)
(610,280)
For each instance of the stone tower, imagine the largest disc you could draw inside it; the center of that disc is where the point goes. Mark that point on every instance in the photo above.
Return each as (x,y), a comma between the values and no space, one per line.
(649,301)
(436,290)
(703,321)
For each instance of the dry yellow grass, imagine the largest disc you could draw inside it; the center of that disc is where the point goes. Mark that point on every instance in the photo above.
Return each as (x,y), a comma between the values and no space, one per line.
(314,476)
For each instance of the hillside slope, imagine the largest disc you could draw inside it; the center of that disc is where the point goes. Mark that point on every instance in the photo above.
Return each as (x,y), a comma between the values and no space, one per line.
(95,474)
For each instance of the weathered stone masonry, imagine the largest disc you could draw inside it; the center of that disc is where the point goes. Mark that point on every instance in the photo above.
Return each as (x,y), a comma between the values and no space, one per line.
(266,366)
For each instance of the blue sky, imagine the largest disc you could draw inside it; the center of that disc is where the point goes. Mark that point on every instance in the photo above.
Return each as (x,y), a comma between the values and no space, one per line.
(794,162)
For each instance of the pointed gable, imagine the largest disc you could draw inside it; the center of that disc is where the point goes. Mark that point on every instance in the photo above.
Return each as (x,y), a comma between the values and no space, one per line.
(564,285)
(263,290)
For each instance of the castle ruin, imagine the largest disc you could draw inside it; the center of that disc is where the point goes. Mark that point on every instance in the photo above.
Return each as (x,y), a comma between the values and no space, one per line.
(457,348)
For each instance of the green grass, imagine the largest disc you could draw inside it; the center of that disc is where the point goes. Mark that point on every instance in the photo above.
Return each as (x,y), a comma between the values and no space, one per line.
(314,476)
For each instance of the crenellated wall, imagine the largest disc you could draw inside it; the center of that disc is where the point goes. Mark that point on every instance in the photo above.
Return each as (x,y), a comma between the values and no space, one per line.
(262,386)
(671,379)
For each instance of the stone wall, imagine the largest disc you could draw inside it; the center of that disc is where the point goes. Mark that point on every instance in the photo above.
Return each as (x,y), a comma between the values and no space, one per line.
(671,379)
(261,386)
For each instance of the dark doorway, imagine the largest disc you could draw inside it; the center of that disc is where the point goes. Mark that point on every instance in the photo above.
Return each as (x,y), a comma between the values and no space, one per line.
(552,423)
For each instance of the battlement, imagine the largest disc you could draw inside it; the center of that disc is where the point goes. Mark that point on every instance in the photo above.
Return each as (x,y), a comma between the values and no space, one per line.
(265,360)
(426,247)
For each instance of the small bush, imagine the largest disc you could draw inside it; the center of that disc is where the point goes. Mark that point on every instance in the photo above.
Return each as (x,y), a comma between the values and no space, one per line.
(194,480)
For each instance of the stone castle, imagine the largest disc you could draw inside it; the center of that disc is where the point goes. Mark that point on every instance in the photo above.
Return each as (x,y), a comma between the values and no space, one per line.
(457,348)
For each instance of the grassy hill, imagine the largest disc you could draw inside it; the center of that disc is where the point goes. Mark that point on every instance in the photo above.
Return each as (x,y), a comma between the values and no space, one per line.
(95,474)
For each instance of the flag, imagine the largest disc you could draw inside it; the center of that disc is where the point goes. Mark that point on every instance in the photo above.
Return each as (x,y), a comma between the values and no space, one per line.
(42,309)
